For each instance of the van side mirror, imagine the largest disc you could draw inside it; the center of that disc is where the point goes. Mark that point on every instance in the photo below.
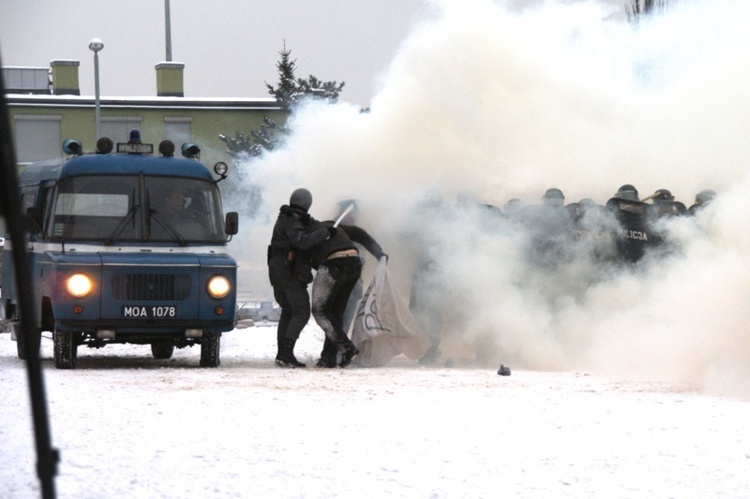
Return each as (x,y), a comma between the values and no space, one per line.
(231,224)
(34,219)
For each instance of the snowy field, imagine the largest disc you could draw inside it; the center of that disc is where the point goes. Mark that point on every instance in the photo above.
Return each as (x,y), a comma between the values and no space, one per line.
(127,425)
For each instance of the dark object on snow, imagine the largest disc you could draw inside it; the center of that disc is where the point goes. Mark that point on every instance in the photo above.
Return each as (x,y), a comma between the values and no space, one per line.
(503,371)
(10,208)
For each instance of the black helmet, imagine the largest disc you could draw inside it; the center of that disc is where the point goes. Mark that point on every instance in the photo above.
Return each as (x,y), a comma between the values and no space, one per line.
(554,197)
(662,196)
(512,206)
(301,198)
(627,192)
(705,196)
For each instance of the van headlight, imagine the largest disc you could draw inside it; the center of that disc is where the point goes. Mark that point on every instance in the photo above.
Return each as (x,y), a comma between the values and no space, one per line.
(218,287)
(79,285)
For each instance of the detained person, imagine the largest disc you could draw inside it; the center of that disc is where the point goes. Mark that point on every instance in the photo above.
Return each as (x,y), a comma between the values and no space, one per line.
(339,267)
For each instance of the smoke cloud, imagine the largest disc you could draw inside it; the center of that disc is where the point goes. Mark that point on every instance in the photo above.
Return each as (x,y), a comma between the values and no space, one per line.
(482,105)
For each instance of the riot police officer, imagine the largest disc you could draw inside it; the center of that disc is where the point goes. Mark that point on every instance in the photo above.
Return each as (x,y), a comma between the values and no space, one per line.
(289,271)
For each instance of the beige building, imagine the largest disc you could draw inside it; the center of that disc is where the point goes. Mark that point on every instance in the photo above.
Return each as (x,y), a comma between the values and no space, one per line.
(45,108)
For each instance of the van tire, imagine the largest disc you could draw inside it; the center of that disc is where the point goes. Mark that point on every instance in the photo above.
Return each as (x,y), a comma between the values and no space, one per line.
(65,349)
(210,347)
(161,350)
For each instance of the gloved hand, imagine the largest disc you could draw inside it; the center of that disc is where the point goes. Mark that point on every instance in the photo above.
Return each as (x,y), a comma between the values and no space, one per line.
(331,231)
(385,255)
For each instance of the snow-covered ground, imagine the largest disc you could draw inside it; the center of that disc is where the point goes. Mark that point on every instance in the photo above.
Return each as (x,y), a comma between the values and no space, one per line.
(617,373)
(127,425)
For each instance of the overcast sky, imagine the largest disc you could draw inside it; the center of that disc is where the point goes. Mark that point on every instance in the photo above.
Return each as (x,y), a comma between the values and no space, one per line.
(230,48)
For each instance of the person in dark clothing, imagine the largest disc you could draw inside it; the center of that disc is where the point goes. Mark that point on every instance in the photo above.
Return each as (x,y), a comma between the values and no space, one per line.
(702,199)
(633,237)
(338,266)
(664,205)
(550,230)
(595,228)
(289,271)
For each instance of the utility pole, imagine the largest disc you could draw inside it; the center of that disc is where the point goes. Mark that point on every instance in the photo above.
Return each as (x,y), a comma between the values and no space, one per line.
(168,30)
(96,45)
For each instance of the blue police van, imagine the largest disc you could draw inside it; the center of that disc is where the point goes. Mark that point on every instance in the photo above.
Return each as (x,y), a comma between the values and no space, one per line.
(126,246)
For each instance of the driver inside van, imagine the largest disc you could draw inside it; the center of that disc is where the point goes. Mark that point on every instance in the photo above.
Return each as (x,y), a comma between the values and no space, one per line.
(179,216)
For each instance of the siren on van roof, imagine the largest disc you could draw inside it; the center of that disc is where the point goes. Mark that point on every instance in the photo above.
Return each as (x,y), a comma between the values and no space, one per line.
(74,147)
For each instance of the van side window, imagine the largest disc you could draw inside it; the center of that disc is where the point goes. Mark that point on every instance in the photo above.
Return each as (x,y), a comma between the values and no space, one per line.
(28,198)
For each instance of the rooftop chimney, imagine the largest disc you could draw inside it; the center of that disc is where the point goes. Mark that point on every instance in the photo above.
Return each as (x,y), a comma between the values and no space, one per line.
(65,77)
(169,77)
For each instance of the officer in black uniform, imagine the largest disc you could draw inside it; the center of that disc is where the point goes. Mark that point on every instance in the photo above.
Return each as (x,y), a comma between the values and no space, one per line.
(633,236)
(289,271)
(664,205)
(550,229)
(702,199)
(594,230)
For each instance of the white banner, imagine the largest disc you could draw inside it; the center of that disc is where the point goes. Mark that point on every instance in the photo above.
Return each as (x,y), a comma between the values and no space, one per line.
(384,326)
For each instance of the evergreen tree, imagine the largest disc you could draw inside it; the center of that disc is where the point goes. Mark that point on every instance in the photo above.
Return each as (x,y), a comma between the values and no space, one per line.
(266,138)
(289,92)
(312,87)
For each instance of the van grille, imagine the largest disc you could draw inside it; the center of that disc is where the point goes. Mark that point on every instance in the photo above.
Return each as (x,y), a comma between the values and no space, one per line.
(153,287)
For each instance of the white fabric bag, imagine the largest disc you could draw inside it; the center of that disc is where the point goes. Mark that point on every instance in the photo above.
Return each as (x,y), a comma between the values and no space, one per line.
(384,327)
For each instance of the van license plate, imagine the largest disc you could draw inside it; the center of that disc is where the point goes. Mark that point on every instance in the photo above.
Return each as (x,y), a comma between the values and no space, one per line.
(148,312)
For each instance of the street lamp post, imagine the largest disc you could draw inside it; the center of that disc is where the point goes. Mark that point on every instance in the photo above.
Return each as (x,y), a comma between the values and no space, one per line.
(168,30)
(96,45)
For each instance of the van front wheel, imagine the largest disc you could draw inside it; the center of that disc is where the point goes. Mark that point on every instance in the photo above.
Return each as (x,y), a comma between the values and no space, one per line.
(210,346)
(162,350)
(65,349)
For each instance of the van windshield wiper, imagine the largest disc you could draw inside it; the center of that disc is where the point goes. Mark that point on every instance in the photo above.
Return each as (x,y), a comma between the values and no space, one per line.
(167,226)
(130,215)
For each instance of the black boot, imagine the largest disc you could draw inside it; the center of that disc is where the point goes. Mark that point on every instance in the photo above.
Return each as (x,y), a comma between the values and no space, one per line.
(350,351)
(326,362)
(285,357)
(328,355)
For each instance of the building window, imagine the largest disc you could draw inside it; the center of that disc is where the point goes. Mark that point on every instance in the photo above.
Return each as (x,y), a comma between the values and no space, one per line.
(118,128)
(177,130)
(37,137)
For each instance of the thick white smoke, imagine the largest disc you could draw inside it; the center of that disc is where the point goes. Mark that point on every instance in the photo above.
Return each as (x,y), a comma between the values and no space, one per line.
(482,105)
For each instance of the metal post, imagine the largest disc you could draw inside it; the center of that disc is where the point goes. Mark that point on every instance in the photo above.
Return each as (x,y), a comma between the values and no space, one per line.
(10,207)
(96,45)
(97,112)
(168,30)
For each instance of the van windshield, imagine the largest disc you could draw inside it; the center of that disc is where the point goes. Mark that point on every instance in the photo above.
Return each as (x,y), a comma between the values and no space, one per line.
(110,208)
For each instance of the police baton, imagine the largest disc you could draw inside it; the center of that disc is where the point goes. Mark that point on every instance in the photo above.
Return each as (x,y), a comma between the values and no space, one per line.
(343,214)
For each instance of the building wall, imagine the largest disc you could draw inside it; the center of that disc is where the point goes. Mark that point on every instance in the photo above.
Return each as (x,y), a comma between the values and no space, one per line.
(206,119)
